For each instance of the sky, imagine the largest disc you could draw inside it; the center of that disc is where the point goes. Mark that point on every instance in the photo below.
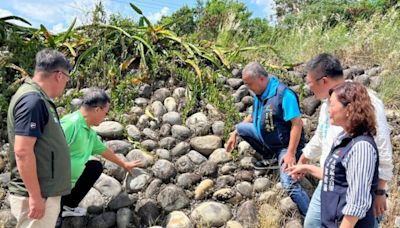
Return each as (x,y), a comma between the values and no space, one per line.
(57,15)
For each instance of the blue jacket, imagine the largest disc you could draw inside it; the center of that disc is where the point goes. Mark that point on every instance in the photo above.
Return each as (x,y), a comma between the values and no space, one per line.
(268,117)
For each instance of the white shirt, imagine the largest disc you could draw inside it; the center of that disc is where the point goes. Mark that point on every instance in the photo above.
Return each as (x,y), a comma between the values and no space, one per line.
(320,144)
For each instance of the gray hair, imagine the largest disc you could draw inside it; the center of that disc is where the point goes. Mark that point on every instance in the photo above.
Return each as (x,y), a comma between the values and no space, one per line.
(254,70)
(95,97)
(48,60)
(325,65)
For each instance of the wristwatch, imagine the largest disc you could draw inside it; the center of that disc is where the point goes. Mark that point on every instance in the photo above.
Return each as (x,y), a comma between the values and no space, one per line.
(380,192)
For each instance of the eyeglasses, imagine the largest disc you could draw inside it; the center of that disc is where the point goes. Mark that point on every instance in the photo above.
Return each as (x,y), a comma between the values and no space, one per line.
(62,72)
(308,82)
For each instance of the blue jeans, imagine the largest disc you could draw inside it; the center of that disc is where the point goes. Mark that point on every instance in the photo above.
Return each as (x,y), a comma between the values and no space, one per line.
(313,217)
(248,132)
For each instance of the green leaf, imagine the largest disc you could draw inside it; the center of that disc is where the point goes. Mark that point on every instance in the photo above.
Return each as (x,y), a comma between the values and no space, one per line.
(69,31)
(15,18)
(48,36)
(134,7)
(82,57)
(70,48)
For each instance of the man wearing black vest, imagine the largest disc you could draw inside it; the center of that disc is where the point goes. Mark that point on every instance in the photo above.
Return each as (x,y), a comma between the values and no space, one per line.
(274,128)
(39,157)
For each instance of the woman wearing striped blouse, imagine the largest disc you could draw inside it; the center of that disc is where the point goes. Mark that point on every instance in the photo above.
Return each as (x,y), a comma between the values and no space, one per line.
(350,173)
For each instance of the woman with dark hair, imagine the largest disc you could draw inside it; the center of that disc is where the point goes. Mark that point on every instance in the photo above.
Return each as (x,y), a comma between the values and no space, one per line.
(350,174)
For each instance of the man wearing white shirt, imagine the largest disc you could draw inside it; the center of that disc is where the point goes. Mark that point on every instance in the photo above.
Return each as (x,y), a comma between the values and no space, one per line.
(323,73)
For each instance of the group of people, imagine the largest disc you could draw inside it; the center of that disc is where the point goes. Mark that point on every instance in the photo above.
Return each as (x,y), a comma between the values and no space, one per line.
(352,141)
(51,169)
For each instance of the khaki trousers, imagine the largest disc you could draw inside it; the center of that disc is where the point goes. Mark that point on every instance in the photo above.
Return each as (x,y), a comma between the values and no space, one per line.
(20,209)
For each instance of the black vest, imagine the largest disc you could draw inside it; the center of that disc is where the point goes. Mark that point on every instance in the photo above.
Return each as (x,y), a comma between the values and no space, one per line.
(275,131)
(334,185)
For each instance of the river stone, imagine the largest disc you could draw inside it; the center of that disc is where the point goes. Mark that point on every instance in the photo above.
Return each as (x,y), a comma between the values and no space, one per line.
(186,180)
(294,223)
(225,180)
(206,144)
(180,132)
(310,105)
(220,156)
(245,175)
(172,118)
(228,168)
(218,128)
(208,168)
(120,201)
(148,211)
(170,104)
(151,134)
(198,124)
(161,94)
(287,205)
(137,180)
(173,198)
(196,157)
(363,79)
(247,162)
(211,214)
(114,170)
(233,224)
(125,218)
(108,186)
(180,149)
(268,197)
(165,130)
(247,214)
(74,222)
(184,164)
(261,184)
(234,82)
(153,189)
(245,188)
(76,103)
(244,148)
(163,154)
(179,92)
(92,198)
(133,132)
(105,220)
(167,143)
(141,101)
(247,100)
(149,145)
(146,158)
(203,188)
(4,178)
(143,122)
(164,170)
(119,146)
(224,194)
(157,109)
(240,93)
(110,129)
(353,71)
(178,219)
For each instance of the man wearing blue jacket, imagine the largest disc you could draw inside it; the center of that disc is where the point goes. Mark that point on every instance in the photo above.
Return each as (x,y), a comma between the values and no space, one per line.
(274,128)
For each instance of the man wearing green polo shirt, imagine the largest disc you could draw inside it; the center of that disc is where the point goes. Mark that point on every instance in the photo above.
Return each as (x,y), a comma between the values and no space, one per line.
(82,143)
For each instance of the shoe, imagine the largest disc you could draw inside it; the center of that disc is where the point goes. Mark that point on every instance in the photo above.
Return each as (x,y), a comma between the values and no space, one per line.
(266,164)
(69,211)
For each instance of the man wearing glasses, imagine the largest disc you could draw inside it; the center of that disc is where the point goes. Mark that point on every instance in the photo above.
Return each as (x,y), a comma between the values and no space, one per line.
(39,158)
(83,142)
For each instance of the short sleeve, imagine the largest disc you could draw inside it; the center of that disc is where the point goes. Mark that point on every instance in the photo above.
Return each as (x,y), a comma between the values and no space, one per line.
(31,115)
(98,146)
(290,105)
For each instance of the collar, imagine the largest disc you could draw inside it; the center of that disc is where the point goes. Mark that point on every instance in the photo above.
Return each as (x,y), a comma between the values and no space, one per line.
(31,82)
(79,116)
(271,89)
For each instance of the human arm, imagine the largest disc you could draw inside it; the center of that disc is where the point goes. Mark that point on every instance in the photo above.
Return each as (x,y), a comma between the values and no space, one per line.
(360,167)
(289,159)
(385,151)
(31,117)
(348,221)
(232,139)
(313,170)
(127,165)
(26,165)
(291,112)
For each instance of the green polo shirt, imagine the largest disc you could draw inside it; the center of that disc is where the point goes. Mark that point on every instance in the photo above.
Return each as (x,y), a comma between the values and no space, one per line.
(82,142)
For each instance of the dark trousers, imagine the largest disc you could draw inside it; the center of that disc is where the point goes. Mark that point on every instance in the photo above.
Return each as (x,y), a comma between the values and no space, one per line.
(91,173)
